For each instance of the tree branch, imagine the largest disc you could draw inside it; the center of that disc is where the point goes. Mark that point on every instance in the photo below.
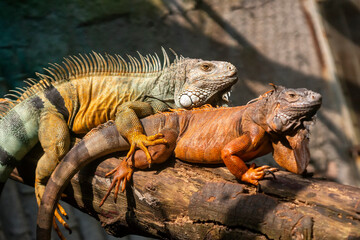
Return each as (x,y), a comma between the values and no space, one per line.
(183,201)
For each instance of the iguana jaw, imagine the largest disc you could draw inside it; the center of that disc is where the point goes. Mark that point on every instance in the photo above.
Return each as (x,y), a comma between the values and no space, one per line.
(195,97)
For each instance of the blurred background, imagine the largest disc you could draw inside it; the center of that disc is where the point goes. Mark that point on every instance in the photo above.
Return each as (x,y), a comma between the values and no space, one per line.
(295,43)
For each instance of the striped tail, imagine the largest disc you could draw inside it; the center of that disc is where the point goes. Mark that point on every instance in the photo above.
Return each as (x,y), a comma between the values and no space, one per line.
(100,143)
(18,135)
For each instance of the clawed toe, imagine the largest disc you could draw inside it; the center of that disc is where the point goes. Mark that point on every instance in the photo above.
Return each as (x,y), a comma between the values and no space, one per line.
(62,221)
(62,211)
(142,141)
(267,172)
(57,230)
(123,174)
(254,174)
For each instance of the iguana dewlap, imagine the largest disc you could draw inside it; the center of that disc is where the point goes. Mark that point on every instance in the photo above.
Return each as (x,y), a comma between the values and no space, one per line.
(276,122)
(88,90)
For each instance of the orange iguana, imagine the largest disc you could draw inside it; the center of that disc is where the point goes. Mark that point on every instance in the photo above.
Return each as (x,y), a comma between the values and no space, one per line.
(276,122)
(88,90)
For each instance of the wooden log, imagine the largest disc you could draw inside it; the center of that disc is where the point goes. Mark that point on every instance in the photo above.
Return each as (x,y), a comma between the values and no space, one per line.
(185,201)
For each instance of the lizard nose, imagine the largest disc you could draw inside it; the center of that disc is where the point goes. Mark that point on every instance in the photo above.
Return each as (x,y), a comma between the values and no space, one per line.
(315,97)
(232,69)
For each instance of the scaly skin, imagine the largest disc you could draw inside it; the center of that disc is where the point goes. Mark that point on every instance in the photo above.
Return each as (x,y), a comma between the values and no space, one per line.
(276,122)
(90,90)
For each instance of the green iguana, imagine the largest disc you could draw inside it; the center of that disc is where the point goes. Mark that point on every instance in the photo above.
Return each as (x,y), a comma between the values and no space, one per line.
(88,90)
(276,122)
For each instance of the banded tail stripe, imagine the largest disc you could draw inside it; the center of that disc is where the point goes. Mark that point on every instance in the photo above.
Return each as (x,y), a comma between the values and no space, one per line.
(19,130)
(55,98)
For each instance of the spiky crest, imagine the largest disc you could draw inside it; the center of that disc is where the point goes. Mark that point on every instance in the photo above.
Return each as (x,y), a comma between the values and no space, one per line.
(268,93)
(206,107)
(83,65)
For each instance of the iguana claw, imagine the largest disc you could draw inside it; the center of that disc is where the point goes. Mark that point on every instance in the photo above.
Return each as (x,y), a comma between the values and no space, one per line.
(61,220)
(254,174)
(142,141)
(123,173)
(57,230)
(271,173)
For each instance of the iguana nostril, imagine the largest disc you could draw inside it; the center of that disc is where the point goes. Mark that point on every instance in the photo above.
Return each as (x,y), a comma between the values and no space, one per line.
(232,69)
(315,96)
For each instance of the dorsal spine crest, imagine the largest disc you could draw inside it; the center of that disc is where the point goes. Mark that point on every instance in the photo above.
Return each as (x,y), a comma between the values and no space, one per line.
(83,65)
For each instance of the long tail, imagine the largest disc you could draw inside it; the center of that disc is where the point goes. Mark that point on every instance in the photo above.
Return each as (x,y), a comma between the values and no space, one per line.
(18,135)
(101,142)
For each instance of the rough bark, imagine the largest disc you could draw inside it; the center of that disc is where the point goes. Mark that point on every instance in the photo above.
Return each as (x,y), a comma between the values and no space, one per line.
(182,201)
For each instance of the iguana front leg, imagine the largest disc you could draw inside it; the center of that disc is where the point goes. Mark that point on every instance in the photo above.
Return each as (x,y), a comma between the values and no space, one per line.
(128,124)
(233,154)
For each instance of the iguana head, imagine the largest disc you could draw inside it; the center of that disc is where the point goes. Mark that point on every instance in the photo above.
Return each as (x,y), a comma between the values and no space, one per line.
(286,114)
(206,82)
(287,108)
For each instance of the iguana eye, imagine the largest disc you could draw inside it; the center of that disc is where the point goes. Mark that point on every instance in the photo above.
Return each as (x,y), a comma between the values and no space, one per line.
(206,67)
(291,95)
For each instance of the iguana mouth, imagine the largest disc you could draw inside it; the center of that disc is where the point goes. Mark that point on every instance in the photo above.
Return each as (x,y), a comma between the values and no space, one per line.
(307,111)
(196,97)
(294,116)
(226,96)
(222,99)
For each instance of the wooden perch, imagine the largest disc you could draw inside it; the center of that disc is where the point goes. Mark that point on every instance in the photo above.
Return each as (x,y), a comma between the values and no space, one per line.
(182,201)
